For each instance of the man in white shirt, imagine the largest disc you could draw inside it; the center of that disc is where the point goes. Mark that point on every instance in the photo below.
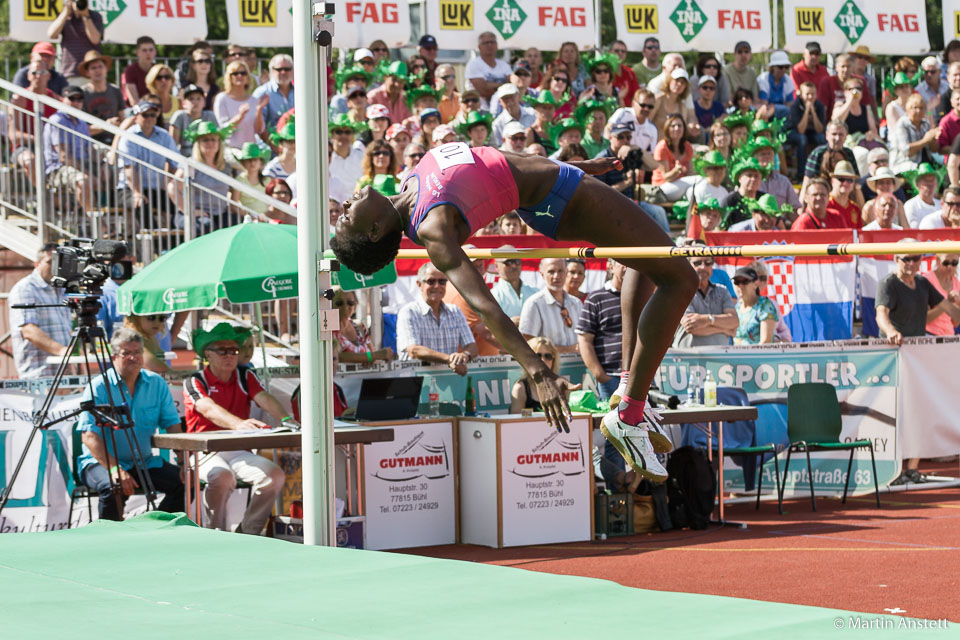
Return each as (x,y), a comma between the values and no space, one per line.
(346,161)
(486,72)
(513,111)
(510,292)
(948,216)
(885,211)
(552,312)
(924,203)
(644,132)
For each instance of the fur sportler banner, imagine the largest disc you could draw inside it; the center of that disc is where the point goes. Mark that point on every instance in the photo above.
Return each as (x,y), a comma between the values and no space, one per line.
(885,26)
(693,25)
(518,24)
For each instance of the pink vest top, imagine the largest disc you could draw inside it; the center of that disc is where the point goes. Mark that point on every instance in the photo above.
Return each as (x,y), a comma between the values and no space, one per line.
(478,182)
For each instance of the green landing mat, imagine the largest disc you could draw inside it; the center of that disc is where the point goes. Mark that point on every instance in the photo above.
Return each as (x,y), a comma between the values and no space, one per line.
(160,576)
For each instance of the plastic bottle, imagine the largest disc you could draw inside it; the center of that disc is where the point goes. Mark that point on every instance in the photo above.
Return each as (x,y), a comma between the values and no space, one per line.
(469,400)
(710,391)
(691,393)
(433,397)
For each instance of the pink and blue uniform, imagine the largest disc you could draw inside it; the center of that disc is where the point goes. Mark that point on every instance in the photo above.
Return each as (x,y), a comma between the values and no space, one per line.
(480,184)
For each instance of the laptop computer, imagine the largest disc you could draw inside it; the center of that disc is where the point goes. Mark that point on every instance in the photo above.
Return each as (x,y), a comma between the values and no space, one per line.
(388,399)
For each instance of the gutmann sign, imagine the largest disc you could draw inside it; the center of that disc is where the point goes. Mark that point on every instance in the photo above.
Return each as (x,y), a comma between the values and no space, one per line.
(417,458)
(562,454)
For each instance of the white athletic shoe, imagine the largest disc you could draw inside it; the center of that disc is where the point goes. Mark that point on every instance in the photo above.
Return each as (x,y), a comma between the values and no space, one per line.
(618,394)
(634,445)
(658,436)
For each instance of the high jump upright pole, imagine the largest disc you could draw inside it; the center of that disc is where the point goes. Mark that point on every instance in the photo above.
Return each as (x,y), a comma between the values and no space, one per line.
(312,34)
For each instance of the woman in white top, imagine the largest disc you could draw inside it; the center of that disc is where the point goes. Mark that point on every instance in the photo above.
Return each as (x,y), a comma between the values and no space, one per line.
(902,87)
(235,106)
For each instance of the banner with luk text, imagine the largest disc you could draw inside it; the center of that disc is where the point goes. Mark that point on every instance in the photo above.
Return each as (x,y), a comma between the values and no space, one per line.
(884,26)
(951,20)
(865,378)
(260,23)
(693,25)
(545,24)
(39,500)
(360,23)
(29,19)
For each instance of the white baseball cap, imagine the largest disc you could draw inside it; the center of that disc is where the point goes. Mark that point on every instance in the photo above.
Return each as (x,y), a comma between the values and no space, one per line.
(512,128)
(778,59)
(362,53)
(680,72)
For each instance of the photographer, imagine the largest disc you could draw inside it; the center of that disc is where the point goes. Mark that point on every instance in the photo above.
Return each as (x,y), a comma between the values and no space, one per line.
(45,331)
(635,162)
(81,30)
(151,408)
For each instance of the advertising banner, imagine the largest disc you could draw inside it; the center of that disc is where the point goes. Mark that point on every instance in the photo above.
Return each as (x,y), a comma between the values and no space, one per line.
(409,488)
(360,23)
(865,378)
(884,26)
(260,23)
(693,25)
(544,24)
(951,20)
(927,412)
(29,19)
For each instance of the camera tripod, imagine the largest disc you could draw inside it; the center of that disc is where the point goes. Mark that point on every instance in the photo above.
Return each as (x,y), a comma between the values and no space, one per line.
(111,417)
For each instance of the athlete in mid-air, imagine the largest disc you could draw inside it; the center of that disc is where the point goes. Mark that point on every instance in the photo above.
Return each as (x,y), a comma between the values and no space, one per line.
(456,190)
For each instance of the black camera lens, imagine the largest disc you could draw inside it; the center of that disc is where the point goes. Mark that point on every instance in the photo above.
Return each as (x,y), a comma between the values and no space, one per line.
(82,4)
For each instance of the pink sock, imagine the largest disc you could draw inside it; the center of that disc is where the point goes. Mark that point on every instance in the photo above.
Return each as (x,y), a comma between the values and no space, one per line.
(631,410)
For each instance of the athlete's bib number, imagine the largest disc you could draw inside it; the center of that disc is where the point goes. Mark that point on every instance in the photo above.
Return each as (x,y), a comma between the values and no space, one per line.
(452,154)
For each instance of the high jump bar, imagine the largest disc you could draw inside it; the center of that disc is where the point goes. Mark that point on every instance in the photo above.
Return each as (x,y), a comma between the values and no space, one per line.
(746,250)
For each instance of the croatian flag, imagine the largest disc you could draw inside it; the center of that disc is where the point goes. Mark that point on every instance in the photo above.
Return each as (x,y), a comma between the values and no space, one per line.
(814,295)
(873,269)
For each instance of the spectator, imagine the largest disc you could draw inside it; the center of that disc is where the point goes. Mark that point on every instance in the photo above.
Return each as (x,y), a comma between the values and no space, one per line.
(836,89)
(101,99)
(626,182)
(391,94)
(160,84)
(576,274)
(152,330)
(951,54)
(509,291)
(279,91)
(809,69)
(417,65)
(556,81)
(625,80)
(816,215)
(399,137)
(523,395)
(108,316)
(430,330)
(356,346)
(285,163)
(713,167)
(600,332)
(884,181)
(742,106)
(823,159)
(545,106)
(756,313)
(566,132)
(487,343)
(948,216)
(950,123)
(520,78)
(209,195)
(476,129)
(218,398)
(376,124)
(248,56)
(251,157)
(133,82)
(569,58)
(79,31)
(739,73)
(152,410)
(192,108)
(46,53)
(41,332)
(486,72)
(775,86)
(412,154)
(884,209)
(931,87)
(953,84)
(913,141)
(764,215)
(346,161)
(842,203)
(858,117)
(235,107)
(711,317)
(67,152)
(428,50)
(675,155)
(905,300)
(878,158)
(141,183)
(650,66)
(350,81)
(602,68)
(535,59)
(720,139)
(747,175)
(781,332)
(706,107)
(381,52)
(673,100)
(671,61)
(444,134)
(429,123)
(860,58)
(551,312)
(20,118)
(378,160)
(449,105)
(513,110)
(902,86)
(708,214)
(469,102)
(943,277)
(183,66)
(709,65)
(594,115)
(776,184)
(515,139)
(279,189)
(925,180)
(202,73)
(739,126)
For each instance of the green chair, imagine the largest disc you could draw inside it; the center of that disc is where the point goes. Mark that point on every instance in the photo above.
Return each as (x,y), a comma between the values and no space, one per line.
(446,409)
(814,424)
(759,451)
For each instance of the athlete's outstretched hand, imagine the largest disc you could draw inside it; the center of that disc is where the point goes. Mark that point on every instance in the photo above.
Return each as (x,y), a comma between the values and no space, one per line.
(553,392)
(598,166)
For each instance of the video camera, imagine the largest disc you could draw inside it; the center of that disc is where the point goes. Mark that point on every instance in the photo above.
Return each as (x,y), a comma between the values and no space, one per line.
(83,265)
(634,160)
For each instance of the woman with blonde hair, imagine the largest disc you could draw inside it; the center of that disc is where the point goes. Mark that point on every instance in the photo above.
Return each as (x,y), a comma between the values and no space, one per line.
(356,347)
(235,106)
(160,83)
(210,196)
(673,100)
(523,395)
(151,328)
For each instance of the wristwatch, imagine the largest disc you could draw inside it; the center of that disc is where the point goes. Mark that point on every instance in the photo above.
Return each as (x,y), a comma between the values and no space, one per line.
(711,319)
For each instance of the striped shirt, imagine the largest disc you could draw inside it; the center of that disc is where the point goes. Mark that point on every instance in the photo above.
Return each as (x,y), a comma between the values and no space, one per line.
(543,316)
(602,318)
(417,325)
(31,362)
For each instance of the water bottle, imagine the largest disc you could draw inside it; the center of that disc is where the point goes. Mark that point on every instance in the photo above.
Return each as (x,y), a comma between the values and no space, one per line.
(691,393)
(710,391)
(433,397)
